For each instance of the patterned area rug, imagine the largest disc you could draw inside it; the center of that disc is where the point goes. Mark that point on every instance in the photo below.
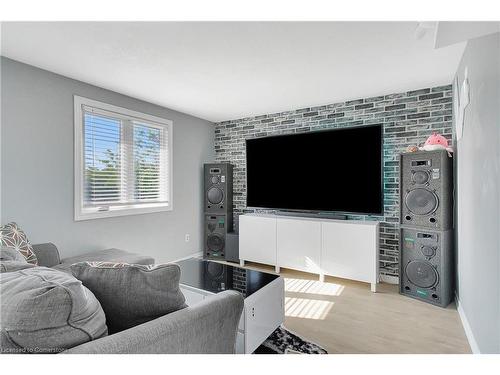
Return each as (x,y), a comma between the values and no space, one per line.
(282,341)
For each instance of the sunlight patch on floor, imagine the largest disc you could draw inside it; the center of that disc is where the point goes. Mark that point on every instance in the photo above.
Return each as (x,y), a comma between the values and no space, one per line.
(307,308)
(313,287)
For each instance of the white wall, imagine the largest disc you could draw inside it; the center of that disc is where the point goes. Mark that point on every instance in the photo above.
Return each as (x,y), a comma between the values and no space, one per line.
(478,196)
(37,169)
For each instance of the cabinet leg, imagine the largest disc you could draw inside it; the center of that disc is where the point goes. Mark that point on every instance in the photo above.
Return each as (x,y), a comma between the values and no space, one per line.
(277,269)
(242,263)
(373,287)
(322,277)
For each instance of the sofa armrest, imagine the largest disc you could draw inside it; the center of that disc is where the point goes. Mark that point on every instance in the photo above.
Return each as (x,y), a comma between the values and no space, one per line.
(207,327)
(47,254)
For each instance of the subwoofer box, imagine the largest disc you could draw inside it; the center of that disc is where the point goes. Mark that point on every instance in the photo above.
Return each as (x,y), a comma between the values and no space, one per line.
(426,189)
(427,265)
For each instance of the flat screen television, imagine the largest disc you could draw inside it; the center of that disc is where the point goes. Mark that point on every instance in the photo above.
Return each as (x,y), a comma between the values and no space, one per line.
(338,170)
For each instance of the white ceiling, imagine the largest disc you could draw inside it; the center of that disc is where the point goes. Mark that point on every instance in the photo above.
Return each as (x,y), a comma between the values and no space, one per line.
(226,70)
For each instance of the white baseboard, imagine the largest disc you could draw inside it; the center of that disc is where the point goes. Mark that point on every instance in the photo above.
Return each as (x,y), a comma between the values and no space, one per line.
(389,279)
(199,254)
(467,328)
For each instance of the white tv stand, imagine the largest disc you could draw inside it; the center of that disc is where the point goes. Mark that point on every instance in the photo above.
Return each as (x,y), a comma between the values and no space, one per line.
(343,248)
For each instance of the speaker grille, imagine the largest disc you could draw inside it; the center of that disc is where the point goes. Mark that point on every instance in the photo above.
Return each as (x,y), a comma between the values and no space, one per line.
(215,195)
(420,177)
(215,242)
(421,274)
(421,201)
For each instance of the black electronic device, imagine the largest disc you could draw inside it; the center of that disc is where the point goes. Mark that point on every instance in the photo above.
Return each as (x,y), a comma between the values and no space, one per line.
(426,265)
(426,191)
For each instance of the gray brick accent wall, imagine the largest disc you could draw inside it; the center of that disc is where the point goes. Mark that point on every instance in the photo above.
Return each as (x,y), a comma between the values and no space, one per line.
(408,118)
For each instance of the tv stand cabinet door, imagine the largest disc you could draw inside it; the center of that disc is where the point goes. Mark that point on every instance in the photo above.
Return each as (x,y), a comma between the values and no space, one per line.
(350,251)
(258,239)
(299,244)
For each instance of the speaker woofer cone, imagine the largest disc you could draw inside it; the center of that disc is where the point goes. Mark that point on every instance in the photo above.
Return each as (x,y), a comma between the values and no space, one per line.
(215,242)
(215,195)
(421,273)
(420,177)
(428,251)
(421,201)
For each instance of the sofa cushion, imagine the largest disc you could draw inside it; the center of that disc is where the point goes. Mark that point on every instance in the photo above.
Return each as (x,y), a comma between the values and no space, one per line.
(47,311)
(14,265)
(13,236)
(108,255)
(11,254)
(47,254)
(132,294)
(12,260)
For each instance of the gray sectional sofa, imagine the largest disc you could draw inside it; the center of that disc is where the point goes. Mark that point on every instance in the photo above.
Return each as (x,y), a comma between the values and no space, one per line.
(208,327)
(48,256)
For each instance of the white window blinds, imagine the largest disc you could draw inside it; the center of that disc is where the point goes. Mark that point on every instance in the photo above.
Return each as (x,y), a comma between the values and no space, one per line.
(148,160)
(103,160)
(125,161)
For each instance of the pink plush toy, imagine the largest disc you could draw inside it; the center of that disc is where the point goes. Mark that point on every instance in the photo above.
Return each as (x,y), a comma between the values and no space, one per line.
(436,142)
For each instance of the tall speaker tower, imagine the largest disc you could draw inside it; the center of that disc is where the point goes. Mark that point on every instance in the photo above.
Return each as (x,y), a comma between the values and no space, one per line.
(426,234)
(218,209)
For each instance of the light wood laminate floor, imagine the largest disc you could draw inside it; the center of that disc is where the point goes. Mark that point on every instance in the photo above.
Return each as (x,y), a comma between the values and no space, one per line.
(346,317)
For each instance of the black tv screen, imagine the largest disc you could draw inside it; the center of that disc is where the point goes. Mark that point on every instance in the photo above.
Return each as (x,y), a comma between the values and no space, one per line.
(337,170)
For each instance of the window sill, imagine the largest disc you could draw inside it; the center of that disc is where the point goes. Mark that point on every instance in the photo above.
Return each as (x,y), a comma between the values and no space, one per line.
(93,213)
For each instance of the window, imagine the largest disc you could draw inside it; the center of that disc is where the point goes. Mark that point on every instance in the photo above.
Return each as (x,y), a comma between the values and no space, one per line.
(123,161)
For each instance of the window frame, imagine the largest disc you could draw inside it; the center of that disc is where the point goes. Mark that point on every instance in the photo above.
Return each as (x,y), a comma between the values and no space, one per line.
(86,213)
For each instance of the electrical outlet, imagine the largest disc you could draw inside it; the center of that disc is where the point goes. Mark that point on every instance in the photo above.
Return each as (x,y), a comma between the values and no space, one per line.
(187,237)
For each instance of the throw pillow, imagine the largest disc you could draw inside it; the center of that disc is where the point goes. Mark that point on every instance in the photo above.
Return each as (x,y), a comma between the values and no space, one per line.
(132,294)
(12,260)
(13,236)
(11,254)
(47,311)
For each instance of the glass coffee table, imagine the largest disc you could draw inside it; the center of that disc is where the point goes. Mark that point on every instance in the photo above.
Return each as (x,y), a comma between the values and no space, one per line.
(263,310)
